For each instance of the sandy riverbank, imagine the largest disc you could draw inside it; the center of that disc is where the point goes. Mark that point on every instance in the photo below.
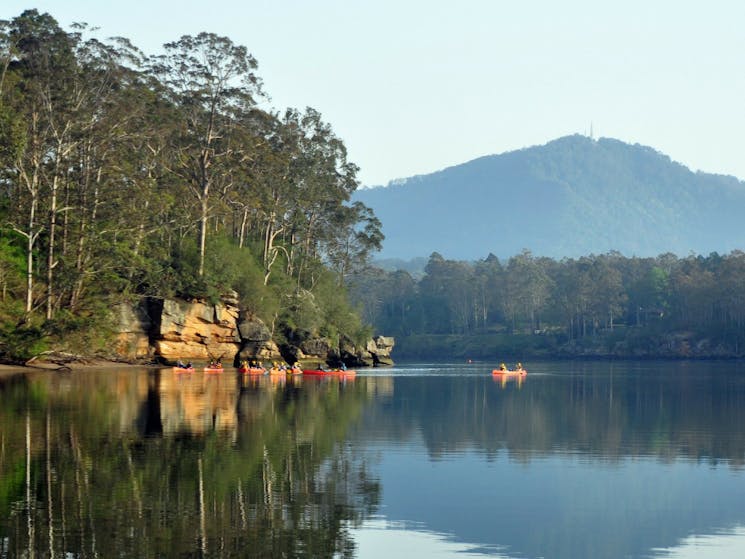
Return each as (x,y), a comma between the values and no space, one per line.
(7,370)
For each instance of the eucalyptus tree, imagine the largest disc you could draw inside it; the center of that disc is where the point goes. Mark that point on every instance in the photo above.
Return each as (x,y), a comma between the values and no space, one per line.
(119,158)
(730,291)
(608,297)
(693,293)
(356,234)
(448,292)
(212,82)
(270,190)
(323,180)
(527,287)
(489,285)
(46,98)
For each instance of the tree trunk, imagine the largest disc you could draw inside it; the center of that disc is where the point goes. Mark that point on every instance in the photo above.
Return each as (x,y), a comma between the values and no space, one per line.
(50,249)
(242,231)
(204,209)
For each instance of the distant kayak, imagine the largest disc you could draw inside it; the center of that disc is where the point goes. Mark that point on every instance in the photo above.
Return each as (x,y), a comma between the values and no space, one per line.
(252,370)
(510,373)
(183,369)
(213,369)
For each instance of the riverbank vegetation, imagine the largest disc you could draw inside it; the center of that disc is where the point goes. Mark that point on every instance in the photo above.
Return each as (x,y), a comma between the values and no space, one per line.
(124,174)
(604,305)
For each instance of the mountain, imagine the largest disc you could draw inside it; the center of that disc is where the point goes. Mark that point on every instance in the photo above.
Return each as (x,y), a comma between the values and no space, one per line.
(573,196)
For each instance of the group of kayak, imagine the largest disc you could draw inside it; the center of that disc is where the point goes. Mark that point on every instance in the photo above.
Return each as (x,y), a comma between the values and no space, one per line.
(275,369)
(255,368)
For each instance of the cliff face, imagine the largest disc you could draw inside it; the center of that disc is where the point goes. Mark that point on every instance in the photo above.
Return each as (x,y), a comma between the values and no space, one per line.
(167,330)
(195,331)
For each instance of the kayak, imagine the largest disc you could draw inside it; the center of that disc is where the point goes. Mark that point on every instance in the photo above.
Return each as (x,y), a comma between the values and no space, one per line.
(275,371)
(252,370)
(213,369)
(508,373)
(183,369)
(335,373)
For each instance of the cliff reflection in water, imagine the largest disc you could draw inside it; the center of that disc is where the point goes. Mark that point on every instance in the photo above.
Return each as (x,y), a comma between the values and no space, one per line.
(154,463)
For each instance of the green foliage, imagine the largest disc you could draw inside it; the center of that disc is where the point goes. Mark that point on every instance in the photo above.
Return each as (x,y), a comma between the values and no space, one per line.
(596,305)
(257,298)
(125,175)
(87,332)
(338,316)
(12,135)
(11,271)
(20,343)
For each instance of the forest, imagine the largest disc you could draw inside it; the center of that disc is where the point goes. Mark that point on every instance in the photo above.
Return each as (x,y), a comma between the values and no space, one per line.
(125,175)
(606,304)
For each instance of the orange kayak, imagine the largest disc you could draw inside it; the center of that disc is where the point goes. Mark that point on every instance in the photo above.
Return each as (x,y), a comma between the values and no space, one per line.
(213,369)
(515,373)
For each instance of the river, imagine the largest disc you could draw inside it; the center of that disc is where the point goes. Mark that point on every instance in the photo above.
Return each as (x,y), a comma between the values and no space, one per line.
(578,459)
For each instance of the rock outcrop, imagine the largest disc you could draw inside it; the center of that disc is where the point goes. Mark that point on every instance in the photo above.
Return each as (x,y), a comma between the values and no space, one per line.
(256,340)
(166,330)
(195,331)
(133,339)
(375,353)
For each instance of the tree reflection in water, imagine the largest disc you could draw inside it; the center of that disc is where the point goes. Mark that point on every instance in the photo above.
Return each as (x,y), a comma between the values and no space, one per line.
(156,464)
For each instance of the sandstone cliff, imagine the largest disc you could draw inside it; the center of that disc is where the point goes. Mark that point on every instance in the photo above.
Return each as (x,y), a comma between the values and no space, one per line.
(167,330)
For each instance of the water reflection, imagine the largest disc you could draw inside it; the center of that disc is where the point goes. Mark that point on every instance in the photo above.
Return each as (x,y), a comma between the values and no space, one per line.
(585,461)
(598,460)
(152,464)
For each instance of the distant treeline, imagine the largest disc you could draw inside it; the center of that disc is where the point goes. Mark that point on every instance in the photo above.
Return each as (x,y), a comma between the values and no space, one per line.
(570,299)
(123,175)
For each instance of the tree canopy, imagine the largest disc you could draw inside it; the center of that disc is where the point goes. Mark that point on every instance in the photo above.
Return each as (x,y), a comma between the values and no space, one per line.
(610,303)
(123,175)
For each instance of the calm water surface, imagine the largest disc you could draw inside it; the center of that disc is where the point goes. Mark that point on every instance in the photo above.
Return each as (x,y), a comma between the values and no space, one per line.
(579,460)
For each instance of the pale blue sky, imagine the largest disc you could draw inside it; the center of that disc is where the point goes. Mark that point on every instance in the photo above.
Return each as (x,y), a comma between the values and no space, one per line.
(413,86)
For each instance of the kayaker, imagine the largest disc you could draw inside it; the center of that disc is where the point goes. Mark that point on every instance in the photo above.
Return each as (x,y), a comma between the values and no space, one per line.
(519,366)
(502,367)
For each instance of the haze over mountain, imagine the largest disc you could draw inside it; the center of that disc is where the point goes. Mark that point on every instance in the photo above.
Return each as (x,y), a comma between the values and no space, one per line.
(573,196)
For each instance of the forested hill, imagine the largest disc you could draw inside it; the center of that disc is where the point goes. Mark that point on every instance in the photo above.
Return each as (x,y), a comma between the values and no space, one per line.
(573,196)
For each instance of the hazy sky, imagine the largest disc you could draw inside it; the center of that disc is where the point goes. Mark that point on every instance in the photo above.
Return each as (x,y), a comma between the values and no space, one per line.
(413,86)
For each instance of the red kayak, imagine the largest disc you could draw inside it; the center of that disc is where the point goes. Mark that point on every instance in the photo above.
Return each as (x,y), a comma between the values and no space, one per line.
(252,370)
(213,369)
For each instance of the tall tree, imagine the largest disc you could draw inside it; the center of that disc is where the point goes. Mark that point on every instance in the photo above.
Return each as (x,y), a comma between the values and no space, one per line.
(212,81)
(44,64)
